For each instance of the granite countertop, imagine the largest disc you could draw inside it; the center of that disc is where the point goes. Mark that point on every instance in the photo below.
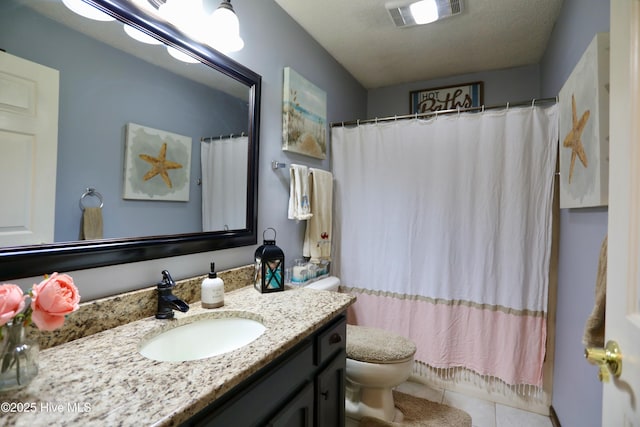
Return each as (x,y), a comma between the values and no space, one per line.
(102,380)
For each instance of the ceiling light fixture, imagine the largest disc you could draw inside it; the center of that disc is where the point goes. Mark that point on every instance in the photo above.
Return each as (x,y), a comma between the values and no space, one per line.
(87,10)
(221,30)
(186,15)
(225,29)
(405,14)
(424,12)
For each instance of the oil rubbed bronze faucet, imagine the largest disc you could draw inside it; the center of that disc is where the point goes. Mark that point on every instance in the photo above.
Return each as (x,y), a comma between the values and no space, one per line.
(167,302)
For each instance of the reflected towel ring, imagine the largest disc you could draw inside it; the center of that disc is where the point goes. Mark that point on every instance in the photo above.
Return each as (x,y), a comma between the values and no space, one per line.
(91,192)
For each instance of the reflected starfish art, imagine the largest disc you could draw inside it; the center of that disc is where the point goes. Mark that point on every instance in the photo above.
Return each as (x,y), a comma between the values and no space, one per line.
(160,166)
(572,140)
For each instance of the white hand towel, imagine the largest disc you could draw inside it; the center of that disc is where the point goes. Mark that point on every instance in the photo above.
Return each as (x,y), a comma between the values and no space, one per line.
(299,193)
(317,238)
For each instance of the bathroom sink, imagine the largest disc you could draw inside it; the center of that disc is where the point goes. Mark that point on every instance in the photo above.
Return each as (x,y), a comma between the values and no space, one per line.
(202,338)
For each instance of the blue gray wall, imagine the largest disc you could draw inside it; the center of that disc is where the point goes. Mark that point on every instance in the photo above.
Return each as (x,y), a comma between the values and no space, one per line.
(102,89)
(500,87)
(577,394)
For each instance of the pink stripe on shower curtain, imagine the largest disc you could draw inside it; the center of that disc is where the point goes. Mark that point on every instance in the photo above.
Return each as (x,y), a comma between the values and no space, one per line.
(442,228)
(509,346)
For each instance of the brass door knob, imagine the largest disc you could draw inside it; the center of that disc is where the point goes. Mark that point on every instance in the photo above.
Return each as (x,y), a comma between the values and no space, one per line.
(608,359)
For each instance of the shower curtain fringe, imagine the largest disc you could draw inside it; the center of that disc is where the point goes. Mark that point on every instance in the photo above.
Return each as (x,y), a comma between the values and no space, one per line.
(447,377)
(481,108)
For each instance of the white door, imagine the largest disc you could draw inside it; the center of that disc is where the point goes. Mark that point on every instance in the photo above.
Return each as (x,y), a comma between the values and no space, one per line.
(621,396)
(28,151)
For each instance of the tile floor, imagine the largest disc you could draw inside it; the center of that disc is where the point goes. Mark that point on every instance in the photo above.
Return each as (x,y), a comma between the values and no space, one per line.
(483,413)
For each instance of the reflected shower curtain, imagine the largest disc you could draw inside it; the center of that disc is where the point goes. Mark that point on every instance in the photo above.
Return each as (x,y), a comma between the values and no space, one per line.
(443,232)
(224,183)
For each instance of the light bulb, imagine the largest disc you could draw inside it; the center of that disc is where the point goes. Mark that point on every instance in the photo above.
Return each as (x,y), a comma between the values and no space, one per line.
(186,15)
(224,30)
(224,20)
(86,10)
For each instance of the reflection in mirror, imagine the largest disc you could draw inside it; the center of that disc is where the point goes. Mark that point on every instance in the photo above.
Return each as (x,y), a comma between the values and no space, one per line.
(171,147)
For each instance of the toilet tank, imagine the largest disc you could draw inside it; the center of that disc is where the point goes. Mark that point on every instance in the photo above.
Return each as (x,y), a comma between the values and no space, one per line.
(331,283)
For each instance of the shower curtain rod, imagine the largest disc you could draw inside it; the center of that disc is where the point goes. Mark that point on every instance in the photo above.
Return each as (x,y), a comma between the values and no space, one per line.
(211,138)
(452,111)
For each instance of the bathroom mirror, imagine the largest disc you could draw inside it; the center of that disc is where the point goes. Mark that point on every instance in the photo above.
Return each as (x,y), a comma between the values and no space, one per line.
(178,224)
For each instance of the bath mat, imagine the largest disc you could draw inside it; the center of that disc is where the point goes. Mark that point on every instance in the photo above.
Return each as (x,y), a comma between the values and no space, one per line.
(421,413)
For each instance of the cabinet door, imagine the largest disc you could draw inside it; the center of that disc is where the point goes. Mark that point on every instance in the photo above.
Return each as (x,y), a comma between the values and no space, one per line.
(330,390)
(298,412)
(253,402)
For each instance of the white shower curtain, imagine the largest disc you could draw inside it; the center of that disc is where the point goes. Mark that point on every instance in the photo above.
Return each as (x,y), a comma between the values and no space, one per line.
(443,231)
(224,183)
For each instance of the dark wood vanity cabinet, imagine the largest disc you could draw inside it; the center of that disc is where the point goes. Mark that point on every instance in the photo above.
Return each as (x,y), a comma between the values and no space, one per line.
(303,387)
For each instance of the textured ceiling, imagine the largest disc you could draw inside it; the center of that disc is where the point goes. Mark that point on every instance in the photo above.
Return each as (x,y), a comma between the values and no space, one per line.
(487,35)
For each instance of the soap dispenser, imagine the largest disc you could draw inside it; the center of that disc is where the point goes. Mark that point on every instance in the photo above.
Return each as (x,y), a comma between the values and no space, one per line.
(212,293)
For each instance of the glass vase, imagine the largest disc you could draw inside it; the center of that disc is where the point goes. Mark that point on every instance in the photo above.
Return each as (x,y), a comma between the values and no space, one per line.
(18,358)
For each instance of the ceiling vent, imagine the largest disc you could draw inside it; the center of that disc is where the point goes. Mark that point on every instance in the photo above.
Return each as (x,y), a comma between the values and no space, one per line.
(401,14)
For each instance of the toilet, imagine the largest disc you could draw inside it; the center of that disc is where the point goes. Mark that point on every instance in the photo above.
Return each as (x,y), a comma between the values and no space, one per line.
(377,361)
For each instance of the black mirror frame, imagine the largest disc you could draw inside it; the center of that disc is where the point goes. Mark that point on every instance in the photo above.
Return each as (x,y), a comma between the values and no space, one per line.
(28,261)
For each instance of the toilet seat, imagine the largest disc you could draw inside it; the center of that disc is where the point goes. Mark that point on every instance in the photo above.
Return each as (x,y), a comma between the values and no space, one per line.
(374,345)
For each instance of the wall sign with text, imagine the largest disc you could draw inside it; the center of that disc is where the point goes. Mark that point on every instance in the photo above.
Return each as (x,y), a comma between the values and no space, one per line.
(446,98)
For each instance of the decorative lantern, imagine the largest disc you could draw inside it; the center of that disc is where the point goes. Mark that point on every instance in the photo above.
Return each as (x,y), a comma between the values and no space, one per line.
(268,275)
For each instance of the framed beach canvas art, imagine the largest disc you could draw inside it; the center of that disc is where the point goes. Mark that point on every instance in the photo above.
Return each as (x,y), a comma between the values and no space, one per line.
(157,164)
(304,116)
(584,129)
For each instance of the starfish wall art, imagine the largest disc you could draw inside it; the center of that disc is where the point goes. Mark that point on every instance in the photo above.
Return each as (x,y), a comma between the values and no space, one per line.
(584,129)
(157,164)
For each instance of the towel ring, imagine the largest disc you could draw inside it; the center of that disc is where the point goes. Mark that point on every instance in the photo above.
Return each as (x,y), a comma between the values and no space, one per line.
(91,192)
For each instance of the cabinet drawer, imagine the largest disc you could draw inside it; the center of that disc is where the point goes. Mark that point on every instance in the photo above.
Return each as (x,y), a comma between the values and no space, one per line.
(331,340)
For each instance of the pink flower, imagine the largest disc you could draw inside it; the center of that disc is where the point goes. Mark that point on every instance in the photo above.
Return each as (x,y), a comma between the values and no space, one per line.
(52,300)
(12,301)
